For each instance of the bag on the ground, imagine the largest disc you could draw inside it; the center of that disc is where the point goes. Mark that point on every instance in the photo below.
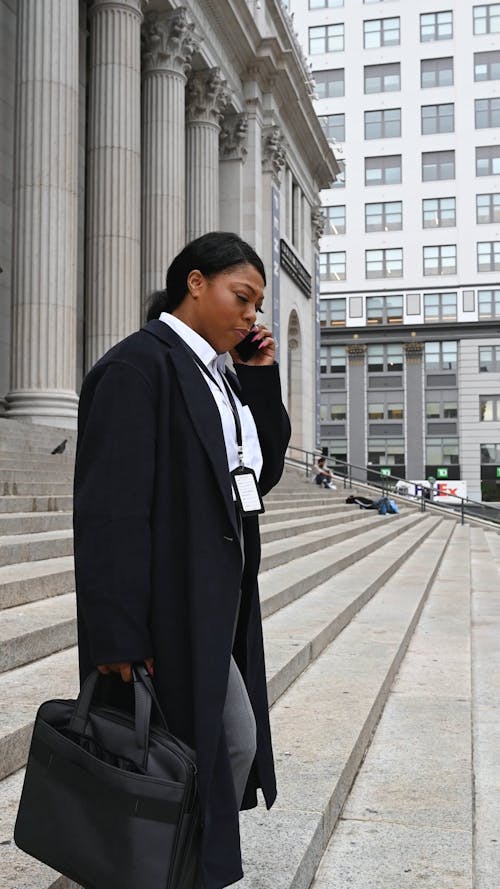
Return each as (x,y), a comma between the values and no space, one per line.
(393,507)
(109,800)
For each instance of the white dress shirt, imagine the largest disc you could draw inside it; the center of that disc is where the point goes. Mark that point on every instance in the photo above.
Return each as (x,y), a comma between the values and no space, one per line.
(216,364)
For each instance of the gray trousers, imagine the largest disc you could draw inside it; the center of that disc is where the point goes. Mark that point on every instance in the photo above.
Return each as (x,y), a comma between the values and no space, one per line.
(240,730)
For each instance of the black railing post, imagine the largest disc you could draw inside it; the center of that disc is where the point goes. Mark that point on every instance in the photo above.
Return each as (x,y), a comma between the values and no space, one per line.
(422,499)
(462,510)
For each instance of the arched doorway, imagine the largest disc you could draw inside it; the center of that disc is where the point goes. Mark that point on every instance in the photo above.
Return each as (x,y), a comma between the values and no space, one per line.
(294,342)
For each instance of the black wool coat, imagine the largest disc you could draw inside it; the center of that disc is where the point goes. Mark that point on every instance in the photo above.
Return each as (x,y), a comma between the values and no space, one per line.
(158,562)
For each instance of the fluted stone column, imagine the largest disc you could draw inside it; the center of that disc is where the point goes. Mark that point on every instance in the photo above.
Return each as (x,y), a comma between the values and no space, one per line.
(207,96)
(233,152)
(43,362)
(168,44)
(113,197)
(414,413)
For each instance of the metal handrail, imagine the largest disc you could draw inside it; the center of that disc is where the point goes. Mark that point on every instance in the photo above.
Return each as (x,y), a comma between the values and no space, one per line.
(387,483)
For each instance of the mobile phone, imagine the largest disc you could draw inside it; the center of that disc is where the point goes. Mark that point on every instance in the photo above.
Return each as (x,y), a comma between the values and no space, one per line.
(247,348)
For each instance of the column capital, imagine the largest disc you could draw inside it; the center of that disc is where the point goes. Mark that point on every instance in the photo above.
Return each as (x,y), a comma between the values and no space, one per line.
(135,6)
(318,223)
(273,150)
(413,351)
(356,353)
(168,42)
(233,137)
(207,96)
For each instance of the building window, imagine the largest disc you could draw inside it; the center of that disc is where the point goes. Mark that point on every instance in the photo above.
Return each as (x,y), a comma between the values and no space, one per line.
(389,411)
(442,452)
(333,126)
(384,124)
(438,165)
(489,359)
(332,360)
(387,263)
(487,65)
(438,119)
(440,260)
(332,312)
(487,113)
(487,208)
(383,78)
(489,408)
(386,452)
(385,358)
(325,4)
(335,219)
(381,32)
(488,160)
(438,212)
(440,307)
(443,406)
(489,303)
(332,266)
(440,356)
(384,170)
(338,412)
(436,26)
(488,256)
(384,310)
(490,453)
(436,72)
(487,18)
(326,38)
(384,217)
(330,84)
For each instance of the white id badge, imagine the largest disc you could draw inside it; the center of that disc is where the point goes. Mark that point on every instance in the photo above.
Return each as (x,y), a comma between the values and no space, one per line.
(247,492)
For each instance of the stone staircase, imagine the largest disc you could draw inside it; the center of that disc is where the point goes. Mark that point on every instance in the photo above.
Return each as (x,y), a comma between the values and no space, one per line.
(368,635)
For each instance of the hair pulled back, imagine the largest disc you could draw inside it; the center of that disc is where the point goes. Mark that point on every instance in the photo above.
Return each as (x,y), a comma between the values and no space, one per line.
(211,254)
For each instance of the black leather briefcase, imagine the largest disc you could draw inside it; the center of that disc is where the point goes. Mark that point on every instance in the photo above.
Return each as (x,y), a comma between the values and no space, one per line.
(109,800)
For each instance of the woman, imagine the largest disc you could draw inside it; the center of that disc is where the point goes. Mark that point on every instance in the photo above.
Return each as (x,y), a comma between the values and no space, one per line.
(166,564)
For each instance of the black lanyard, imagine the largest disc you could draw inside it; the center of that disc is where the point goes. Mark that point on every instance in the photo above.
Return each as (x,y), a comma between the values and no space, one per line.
(232,403)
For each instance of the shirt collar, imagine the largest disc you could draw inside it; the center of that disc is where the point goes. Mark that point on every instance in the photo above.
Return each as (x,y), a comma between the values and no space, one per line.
(196,342)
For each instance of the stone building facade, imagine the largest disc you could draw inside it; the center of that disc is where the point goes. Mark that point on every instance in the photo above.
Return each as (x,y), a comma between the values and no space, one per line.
(128,128)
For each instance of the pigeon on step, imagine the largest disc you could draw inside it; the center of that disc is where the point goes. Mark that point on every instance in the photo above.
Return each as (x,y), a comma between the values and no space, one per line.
(60,447)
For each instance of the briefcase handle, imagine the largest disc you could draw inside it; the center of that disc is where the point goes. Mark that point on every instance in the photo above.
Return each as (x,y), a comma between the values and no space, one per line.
(144,695)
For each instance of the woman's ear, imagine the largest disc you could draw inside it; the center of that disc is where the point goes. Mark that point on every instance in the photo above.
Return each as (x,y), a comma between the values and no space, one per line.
(195,281)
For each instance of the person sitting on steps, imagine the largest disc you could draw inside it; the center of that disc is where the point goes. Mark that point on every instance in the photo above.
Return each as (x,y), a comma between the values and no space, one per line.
(322,475)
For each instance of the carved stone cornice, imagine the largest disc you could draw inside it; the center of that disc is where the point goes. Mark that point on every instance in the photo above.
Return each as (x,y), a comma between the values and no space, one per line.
(318,223)
(273,150)
(233,137)
(356,353)
(168,42)
(207,96)
(414,352)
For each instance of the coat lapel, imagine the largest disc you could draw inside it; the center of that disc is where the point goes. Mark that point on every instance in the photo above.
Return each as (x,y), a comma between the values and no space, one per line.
(202,409)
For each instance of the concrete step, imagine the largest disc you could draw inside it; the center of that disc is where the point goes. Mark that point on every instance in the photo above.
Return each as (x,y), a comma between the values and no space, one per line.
(27,582)
(409,817)
(294,638)
(41,503)
(305,543)
(30,632)
(33,547)
(323,724)
(339,518)
(284,513)
(281,585)
(485,649)
(35,523)
(58,475)
(36,488)
(22,690)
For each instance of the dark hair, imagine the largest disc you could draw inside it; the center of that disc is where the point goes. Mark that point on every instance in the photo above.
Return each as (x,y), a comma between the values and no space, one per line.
(211,254)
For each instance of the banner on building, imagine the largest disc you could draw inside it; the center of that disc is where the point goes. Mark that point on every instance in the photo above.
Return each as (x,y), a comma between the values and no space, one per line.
(317,294)
(276,268)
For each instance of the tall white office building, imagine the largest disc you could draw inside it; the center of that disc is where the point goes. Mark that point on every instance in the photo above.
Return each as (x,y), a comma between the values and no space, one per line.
(410,260)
